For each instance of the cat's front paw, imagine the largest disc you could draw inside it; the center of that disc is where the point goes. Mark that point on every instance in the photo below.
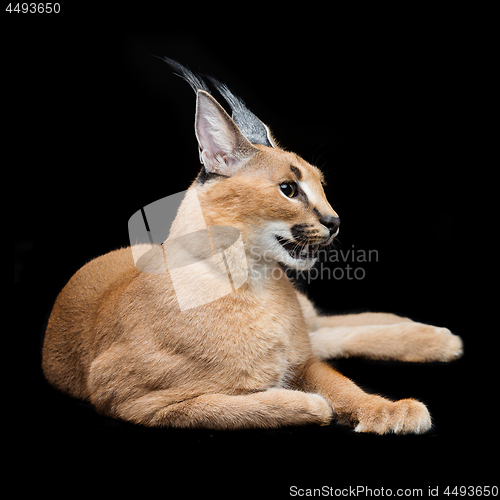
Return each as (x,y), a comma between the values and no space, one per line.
(436,344)
(406,416)
(453,346)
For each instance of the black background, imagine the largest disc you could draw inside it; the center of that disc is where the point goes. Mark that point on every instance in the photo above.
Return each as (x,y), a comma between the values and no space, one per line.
(390,109)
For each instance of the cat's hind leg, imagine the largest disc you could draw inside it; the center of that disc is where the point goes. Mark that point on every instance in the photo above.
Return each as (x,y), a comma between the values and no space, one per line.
(267,409)
(125,384)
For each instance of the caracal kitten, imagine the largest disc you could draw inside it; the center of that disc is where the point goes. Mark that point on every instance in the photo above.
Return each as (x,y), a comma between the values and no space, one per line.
(233,345)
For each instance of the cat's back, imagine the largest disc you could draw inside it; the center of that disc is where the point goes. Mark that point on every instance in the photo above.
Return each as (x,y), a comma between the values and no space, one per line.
(69,345)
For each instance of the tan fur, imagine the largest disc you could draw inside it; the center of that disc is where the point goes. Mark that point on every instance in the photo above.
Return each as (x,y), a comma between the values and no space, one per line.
(117,337)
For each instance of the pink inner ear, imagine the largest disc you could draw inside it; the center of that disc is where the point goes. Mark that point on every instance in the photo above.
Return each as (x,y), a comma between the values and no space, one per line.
(214,138)
(219,138)
(205,131)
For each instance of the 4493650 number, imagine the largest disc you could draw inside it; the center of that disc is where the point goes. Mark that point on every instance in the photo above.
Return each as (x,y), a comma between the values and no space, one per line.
(33,8)
(471,491)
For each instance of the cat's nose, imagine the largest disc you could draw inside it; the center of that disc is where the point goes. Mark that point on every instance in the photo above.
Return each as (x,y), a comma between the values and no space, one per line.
(332,223)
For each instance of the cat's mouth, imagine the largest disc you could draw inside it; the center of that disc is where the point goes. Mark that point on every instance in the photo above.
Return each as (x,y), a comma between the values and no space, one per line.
(296,250)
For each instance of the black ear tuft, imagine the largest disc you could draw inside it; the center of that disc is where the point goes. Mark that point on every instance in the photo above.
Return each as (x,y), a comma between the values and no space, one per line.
(251,127)
(194,81)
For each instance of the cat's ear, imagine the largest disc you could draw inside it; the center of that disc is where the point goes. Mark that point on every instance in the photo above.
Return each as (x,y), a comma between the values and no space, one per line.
(252,128)
(224,149)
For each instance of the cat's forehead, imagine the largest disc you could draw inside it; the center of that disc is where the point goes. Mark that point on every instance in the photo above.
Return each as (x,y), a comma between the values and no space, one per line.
(285,164)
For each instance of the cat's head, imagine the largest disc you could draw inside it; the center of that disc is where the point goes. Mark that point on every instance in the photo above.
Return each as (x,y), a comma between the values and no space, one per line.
(273,197)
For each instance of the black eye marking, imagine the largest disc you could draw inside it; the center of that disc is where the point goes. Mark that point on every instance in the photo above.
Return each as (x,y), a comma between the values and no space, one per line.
(289,189)
(296,171)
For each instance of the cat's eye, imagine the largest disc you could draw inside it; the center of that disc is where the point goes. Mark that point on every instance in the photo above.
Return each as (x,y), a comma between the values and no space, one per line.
(289,189)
